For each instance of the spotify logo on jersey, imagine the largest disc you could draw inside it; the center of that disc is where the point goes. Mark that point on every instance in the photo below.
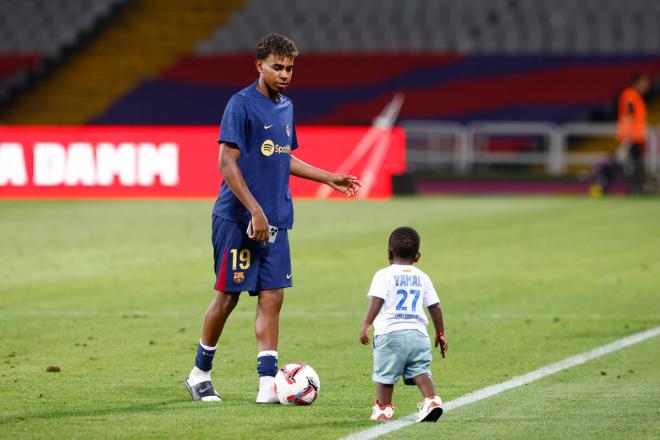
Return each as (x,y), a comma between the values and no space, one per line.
(267,148)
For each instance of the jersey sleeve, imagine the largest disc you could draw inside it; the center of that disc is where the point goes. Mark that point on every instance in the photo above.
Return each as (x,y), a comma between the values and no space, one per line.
(294,137)
(378,286)
(430,295)
(234,123)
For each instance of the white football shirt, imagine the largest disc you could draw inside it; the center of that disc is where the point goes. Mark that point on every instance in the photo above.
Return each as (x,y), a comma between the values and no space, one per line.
(407,291)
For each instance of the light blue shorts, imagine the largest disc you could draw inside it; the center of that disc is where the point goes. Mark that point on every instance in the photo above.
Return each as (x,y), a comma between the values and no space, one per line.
(399,353)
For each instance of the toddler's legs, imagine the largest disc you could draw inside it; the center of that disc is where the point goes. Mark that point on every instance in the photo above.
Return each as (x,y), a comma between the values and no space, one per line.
(383,409)
(384,393)
(425,385)
(430,409)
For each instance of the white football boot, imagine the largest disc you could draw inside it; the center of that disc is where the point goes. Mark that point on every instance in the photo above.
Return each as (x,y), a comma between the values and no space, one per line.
(267,390)
(430,410)
(382,413)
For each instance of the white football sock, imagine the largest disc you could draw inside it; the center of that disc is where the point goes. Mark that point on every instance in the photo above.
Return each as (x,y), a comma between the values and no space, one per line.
(267,390)
(267,383)
(198,376)
(208,347)
(267,353)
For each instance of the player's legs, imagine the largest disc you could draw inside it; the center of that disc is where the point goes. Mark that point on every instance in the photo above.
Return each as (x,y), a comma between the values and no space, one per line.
(636,178)
(216,316)
(198,381)
(274,276)
(267,330)
(267,322)
(235,270)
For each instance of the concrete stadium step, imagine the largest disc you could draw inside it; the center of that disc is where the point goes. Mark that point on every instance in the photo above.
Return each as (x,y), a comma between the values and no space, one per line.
(146,37)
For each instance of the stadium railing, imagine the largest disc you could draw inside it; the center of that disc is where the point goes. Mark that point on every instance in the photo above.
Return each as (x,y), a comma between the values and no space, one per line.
(458,148)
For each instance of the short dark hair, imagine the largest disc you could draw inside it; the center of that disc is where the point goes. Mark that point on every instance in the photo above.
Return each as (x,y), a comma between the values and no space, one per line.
(637,77)
(404,242)
(276,44)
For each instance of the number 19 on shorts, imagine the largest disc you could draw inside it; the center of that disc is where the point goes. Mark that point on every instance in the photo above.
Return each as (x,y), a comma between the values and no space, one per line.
(240,259)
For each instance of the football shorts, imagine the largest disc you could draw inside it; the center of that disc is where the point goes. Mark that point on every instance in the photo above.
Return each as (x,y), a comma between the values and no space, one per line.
(399,353)
(242,264)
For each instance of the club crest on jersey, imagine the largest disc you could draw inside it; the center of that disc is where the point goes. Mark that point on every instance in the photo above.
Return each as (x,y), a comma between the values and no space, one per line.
(239,277)
(267,148)
(288,130)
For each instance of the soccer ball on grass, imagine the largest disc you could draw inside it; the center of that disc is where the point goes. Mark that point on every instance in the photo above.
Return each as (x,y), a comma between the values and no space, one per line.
(297,384)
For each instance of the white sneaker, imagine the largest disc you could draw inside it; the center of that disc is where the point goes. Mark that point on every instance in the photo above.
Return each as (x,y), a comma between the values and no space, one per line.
(430,410)
(383,413)
(267,392)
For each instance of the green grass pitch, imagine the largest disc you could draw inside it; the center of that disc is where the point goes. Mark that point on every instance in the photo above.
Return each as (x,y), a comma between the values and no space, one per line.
(113,293)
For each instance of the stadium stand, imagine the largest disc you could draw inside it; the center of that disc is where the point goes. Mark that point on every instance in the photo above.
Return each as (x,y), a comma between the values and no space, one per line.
(474,59)
(144,38)
(48,27)
(35,33)
(466,26)
(449,87)
(14,70)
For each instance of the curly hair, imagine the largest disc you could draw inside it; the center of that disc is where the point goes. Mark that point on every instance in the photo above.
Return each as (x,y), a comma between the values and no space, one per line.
(404,242)
(276,44)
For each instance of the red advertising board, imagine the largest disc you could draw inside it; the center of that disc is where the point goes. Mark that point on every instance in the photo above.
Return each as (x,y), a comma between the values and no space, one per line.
(175,161)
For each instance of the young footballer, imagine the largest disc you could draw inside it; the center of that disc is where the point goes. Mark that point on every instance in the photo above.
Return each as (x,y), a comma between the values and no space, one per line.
(397,298)
(253,213)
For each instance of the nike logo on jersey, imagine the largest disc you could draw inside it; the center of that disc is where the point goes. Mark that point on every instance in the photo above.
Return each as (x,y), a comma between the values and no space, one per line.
(266,127)
(288,276)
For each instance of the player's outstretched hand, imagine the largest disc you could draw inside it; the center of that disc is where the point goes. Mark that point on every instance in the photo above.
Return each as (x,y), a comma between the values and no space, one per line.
(364,334)
(345,183)
(441,339)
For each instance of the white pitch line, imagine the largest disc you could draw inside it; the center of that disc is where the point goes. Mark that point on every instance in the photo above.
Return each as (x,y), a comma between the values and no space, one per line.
(517,381)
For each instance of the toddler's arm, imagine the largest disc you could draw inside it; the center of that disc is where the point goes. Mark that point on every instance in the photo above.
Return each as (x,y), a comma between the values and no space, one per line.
(375,304)
(436,317)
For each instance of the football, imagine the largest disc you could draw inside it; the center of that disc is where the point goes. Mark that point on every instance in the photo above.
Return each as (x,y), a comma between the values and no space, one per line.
(297,384)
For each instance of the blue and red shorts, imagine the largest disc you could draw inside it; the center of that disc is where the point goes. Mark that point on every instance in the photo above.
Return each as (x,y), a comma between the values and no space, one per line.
(242,264)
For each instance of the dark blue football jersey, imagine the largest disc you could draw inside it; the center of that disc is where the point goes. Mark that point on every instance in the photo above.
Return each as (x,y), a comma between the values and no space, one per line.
(265,133)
